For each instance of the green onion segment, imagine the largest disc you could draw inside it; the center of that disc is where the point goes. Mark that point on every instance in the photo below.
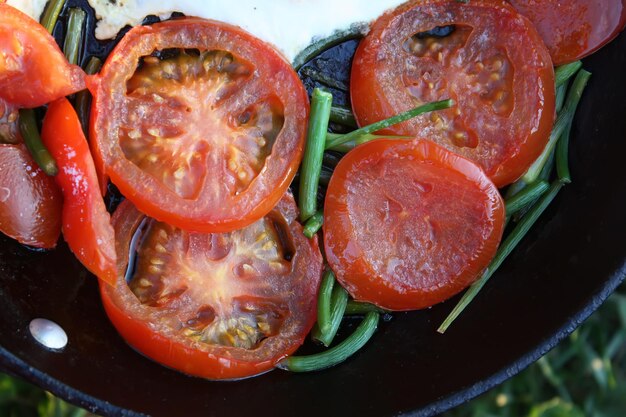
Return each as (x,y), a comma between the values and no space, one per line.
(311,168)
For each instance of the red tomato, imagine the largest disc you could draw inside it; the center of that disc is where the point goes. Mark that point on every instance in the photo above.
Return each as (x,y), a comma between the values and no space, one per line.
(573,29)
(493,64)
(219,306)
(409,224)
(86,223)
(30,201)
(207,138)
(33,70)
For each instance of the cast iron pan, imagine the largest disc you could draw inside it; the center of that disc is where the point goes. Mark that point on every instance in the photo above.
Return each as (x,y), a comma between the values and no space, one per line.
(564,269)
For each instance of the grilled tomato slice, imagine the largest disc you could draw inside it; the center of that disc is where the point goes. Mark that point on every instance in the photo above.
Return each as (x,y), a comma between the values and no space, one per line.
(198,123)
(485,56)
(409,224)
(218,306)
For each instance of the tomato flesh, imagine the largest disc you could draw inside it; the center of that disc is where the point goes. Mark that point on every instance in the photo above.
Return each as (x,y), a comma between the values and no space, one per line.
(209,128)
(219,306)
(491,62)
(574,29)
(33,70)
(409,224)
(30,201)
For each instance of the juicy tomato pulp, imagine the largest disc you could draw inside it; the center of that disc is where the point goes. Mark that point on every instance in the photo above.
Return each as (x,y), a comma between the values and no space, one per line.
(86,223)
(482,54)
(218,306)
(207,132)
(30,201)
(33,70)
(574,29)
(409,224)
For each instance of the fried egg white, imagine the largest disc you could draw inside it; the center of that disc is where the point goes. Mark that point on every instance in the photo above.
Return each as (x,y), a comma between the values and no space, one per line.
(290,25)
(33,8)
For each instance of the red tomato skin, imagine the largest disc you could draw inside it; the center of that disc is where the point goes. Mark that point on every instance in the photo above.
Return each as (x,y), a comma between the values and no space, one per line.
(349,257)
(141,331)
(30,201)
(33,71)
(86,223)
(147,192)
(378,90)
(574,29)
(93,83)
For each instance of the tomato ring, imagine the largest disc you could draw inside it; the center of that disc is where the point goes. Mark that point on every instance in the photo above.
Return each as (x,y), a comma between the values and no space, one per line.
(218,306)
(208,139)
(485,56)
(574,29)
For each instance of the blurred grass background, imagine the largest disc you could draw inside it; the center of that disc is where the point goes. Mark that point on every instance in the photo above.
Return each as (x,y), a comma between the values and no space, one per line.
(585,376)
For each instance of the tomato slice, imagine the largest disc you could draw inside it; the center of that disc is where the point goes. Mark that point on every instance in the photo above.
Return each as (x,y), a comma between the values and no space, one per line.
(482,54)
(218,306)
(409,224)
(574,29)
(86,223)
(207,133)
(30,201)
(33,70)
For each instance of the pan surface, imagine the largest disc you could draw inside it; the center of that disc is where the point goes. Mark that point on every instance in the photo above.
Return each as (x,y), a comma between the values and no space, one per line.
(563,270)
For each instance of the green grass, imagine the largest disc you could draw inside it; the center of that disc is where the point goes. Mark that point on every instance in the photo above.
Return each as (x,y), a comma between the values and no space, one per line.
(585,376)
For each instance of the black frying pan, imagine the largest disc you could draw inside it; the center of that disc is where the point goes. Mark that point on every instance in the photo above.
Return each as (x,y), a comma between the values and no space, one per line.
(563,270)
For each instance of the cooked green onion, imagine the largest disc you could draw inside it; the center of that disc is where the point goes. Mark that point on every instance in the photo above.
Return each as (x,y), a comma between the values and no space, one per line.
(74,37)
(32,140)
(321,102)
(559,100)
(337,354)
(505,249)
(83,98)
(514,188)
(546,172)
(51,14)
(383,124)
(564,118)
(313,225)
(562,147)
(322,78)
(565,72)
(357,307)
(348,146)
(342,116)
(338,303)
(525,197)
(324,301)
(562,156)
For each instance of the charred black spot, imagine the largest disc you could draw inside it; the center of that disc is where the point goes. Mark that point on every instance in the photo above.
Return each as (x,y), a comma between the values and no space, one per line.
(167,53)
(436,32)
(283,236)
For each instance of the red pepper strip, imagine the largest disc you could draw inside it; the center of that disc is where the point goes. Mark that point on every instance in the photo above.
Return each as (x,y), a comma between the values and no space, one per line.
(86,223)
